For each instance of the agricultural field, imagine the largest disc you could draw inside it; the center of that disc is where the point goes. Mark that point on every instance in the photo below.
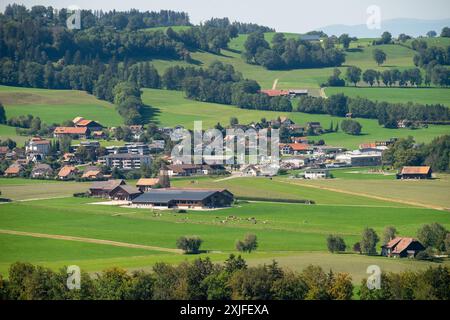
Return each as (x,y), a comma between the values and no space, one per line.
(56,106)
(294,234)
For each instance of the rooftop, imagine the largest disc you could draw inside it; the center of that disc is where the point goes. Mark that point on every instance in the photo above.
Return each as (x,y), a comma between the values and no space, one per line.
(416,170)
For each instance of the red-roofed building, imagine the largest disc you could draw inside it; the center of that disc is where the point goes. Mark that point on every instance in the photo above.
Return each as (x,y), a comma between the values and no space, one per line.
(402,247)
(276,93)
(419,172)
(295,148)
(74,132)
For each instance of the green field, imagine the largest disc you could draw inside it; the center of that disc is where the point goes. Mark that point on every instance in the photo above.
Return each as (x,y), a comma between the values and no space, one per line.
(56,106)
(396,95)
(294,234)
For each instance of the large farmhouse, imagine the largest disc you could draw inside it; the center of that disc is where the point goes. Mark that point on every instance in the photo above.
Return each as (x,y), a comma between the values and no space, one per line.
(420,172)
(185,198)
(402,247)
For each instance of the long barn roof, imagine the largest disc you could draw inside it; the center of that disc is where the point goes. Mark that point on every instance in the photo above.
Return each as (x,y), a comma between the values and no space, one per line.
(167,195)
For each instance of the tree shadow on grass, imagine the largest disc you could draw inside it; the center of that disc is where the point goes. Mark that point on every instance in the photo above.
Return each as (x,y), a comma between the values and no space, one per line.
(149,114)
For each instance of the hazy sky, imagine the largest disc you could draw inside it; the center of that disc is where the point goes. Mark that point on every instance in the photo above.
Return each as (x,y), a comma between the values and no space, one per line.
(283,15)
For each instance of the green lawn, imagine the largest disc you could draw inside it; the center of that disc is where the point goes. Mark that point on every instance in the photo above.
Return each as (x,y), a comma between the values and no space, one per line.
(396,95)
(56,106)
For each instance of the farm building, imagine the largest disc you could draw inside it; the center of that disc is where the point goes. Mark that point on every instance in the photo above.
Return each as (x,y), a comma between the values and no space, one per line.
(74,132)
(146,184)
(103,188)
(124,192)
(185,198)
(80,122)
(420,172)
(402,247)
(317,174)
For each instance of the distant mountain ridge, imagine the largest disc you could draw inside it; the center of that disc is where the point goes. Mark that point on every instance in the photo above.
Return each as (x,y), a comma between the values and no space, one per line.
(412,27)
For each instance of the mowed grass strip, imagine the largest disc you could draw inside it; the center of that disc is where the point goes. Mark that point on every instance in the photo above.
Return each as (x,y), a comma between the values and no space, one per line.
(25,189)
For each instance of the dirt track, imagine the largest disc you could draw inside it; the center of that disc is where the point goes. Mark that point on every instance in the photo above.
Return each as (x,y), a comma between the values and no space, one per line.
(90,240)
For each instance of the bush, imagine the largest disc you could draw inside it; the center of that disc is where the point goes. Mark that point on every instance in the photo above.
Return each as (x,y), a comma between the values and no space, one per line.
(249,244)
(189,244)
(335,244)
(351,127)
(81,195)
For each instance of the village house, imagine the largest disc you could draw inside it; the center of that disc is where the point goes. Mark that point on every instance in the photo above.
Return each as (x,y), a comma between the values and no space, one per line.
(38,145)
(401,248)
(137,131)
(295,148)
(102,189)
(3,152)
(41,170)
(69,158)
(373,146)
(315,127)
(290,163)
(250,171)
(67,173)
(185,199)
(419,172)
(92,174)
(317,174)
(13,170)
(73,132)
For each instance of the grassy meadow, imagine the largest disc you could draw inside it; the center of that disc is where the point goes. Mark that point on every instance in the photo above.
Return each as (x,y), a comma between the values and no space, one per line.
(56,106)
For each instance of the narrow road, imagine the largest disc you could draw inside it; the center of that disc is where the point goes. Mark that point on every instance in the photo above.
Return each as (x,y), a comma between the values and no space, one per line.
(89,240)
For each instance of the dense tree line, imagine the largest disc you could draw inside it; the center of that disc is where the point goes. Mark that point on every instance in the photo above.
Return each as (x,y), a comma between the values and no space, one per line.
(434,60)
(220,83)
(196,280)
(203,280)
(290,53)
(387,113)
(389,78)
(406,152)
(132,19)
